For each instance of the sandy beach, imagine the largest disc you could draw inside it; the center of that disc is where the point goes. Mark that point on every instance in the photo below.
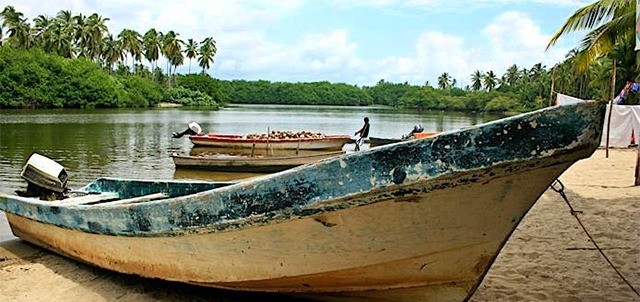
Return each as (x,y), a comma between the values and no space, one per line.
(548,258)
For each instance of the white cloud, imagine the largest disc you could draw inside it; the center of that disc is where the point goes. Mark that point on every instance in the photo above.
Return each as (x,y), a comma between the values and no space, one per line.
(514,37)
(434,54)
(245,51)
(314,57)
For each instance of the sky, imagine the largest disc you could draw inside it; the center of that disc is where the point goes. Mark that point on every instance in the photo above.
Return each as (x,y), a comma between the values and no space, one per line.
(357,42)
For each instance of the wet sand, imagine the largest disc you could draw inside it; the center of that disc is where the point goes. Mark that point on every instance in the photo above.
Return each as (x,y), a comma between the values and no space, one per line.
(548,258)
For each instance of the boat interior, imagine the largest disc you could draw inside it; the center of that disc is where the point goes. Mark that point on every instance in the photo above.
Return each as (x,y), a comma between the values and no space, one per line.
(113,191)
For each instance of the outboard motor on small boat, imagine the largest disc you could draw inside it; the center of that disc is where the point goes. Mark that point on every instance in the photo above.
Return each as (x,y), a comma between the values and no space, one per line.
(46,179)
(417,128)
(192,129)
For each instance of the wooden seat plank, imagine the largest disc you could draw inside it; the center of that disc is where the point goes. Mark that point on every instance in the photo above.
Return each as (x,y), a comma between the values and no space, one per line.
(143,198)
(104,196)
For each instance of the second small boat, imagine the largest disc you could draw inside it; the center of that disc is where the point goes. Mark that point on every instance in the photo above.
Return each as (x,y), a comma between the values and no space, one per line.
(274,140)
(255,164)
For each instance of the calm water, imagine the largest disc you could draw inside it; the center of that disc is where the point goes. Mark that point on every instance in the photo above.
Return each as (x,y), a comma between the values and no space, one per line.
(137,143)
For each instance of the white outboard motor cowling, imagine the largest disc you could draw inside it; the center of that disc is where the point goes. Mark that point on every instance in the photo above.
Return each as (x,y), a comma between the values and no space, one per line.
(45,178)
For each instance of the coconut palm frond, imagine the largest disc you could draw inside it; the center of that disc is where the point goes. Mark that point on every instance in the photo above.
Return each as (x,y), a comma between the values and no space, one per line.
(602,39)
(592,16)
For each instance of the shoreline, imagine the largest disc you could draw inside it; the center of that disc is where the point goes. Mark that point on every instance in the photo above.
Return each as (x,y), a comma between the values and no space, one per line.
(547,258)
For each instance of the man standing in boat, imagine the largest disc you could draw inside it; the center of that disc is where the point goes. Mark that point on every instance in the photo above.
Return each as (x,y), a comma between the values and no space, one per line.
(364,133)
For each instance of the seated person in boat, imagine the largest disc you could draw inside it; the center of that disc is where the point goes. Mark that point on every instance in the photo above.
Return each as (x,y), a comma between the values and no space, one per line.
(193,129)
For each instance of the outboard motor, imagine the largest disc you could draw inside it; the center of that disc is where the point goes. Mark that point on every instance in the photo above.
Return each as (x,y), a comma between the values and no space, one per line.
(46,179)
(417,128)
(192,129)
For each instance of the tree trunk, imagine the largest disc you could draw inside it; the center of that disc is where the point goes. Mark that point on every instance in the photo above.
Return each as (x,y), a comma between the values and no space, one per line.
(553,77)
(613,86)
(637,183)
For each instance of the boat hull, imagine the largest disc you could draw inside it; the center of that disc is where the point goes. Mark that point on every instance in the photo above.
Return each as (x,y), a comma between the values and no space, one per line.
(381,141)
(262,164)
(395,249)
(330,142)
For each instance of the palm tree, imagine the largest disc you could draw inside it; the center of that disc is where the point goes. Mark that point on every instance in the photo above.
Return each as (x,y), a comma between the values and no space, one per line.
(112,51)
(444,81)
(79,35)
(536,71)
(191,51)
(152,45)
(207,52)
(22,34)
(42,27)
(512,75)
(131,42)
(93,33)
(490,80)
(10,16)
(600,72)
(607,20)
(172,50)
(18,30)
(62,33)
(476,80)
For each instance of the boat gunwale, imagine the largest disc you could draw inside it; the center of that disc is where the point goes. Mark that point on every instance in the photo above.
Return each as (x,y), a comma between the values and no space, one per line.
(290,213)
(214,158)
(234,139)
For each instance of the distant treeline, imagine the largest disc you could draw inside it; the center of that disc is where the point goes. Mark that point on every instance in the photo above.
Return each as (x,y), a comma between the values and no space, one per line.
(35,79)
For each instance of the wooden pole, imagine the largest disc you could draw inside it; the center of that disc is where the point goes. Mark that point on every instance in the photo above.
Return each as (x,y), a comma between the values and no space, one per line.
(266,150)
(637,183)
(553,80)
(613,87)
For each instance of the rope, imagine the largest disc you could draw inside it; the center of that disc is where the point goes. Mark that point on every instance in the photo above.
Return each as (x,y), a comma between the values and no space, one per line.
(560,191)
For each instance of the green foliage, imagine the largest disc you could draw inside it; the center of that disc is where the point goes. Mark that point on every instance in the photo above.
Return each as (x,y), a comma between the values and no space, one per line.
(206,84)
(188,97)
(315,93)
(140,92)
(501,104)
(34,79)
(386,93)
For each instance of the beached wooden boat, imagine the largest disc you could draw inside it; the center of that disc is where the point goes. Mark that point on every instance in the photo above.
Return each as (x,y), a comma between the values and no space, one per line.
(420,220)
(254,164)
(325,142)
